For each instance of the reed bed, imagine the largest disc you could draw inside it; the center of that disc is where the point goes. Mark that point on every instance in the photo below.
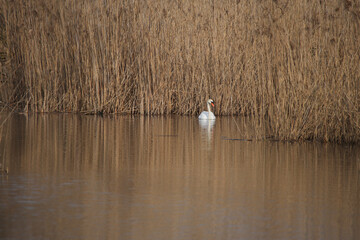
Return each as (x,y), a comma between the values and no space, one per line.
(292,66)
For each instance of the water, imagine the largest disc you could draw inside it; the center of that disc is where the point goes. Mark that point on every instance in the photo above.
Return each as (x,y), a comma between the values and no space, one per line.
(123,177)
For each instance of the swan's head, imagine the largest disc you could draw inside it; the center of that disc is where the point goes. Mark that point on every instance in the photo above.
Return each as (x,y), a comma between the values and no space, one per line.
(211,102)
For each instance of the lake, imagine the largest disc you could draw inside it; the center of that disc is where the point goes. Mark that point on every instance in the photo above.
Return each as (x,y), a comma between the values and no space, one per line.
(133,177)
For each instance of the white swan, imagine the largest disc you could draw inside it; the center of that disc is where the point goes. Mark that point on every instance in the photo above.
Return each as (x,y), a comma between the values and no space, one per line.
(208,115)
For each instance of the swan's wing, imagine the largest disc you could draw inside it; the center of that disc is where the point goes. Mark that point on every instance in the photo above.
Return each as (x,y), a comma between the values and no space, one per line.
(204,115)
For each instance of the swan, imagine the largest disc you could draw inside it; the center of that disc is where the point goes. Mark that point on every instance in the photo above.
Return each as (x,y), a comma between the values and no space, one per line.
(208,115)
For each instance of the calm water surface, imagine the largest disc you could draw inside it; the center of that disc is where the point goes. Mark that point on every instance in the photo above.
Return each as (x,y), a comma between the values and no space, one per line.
(88,177)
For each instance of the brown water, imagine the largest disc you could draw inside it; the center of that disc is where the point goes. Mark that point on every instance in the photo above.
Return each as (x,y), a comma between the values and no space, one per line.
(88,177)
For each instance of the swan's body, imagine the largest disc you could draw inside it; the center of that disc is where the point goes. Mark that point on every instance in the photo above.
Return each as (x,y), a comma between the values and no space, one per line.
(205,115)
(208,115)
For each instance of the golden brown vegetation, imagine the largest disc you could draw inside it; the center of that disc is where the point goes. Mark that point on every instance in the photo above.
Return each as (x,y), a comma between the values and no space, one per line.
(291,65)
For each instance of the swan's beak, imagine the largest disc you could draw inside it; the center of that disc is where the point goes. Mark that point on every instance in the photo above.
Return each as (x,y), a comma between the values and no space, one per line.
(212,104)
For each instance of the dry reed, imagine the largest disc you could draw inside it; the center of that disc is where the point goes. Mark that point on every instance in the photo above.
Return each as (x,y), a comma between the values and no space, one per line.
(293,66)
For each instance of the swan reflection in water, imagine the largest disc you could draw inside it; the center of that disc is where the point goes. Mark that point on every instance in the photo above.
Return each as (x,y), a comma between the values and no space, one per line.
(207,127)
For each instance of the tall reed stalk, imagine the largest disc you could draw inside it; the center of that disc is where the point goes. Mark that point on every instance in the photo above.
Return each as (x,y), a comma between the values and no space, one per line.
(293,66)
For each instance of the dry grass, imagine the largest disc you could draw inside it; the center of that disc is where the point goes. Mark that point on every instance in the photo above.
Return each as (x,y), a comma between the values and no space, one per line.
(291,65)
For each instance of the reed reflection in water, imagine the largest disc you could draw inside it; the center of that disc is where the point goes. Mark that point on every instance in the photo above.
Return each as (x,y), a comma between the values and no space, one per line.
(123,177)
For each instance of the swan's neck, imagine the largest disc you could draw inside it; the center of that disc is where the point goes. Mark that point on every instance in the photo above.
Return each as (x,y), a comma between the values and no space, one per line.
(209,107)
